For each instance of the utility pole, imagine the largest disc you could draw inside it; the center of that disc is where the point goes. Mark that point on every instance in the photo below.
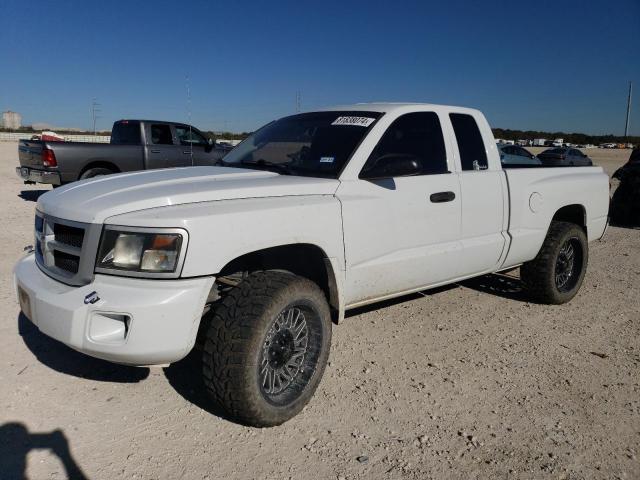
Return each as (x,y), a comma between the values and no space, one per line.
(95,110)
(626,124)
(298,101)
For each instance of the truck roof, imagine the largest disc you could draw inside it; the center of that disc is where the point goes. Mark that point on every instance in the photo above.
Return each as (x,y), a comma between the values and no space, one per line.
(150,121)
(387,107)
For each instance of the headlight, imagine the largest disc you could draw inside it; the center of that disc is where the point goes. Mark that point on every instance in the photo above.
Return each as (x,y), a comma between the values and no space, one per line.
(141,252)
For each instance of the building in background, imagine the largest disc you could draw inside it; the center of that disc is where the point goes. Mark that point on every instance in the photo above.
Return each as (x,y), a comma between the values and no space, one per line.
(11,120)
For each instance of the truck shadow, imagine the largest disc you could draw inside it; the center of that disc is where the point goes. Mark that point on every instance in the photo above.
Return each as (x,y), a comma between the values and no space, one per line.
(63,359)
(31,195)
(16,442)
(498,284)
(186,379)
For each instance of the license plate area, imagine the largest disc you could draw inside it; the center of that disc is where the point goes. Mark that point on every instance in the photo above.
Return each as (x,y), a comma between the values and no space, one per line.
(25,302)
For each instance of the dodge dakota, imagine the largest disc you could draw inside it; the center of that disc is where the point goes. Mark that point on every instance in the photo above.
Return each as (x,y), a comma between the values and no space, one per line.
(312,215)
(135,145)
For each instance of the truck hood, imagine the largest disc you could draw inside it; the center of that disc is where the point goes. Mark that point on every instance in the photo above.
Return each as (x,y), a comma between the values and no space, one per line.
(94,200)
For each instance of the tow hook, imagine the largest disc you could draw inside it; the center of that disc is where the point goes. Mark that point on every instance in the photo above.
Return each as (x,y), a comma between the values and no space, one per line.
(91,298)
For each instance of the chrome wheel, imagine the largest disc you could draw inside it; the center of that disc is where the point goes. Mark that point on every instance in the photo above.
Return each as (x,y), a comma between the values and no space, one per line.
(284,354)
(568,264)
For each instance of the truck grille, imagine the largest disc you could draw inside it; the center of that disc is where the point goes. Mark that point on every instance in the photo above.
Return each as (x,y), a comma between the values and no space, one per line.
(66,262)
(62,249)
(68,235)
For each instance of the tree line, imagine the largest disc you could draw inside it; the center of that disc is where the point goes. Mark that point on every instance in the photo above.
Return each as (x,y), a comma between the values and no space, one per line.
(576,138)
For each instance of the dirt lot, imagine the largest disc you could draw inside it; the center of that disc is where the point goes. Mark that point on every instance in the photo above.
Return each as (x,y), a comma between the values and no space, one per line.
(466,382)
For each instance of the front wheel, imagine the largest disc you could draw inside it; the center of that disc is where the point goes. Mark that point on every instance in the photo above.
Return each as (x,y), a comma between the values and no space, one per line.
(557,272)
(267,347)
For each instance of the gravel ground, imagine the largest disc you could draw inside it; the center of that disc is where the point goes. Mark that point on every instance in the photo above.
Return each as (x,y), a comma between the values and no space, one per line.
(468,381)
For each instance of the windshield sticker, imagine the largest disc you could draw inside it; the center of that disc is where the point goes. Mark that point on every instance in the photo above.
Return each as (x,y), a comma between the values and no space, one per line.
(327,159)
(356,121)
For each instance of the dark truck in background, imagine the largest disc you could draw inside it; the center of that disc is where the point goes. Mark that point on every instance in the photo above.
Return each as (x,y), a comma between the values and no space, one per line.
(135,145)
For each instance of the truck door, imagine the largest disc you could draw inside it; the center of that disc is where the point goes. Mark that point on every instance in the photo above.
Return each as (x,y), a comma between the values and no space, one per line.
(401,232)
(162,149)
(483,190)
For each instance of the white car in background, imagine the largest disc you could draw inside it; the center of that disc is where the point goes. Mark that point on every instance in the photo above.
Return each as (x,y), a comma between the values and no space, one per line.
(513,155)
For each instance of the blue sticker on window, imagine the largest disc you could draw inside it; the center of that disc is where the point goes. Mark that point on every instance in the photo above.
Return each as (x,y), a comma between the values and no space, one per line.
(327,159)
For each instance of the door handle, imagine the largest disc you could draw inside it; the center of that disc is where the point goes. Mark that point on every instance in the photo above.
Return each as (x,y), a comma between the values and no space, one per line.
(155,151)
(186,152)
(442,197)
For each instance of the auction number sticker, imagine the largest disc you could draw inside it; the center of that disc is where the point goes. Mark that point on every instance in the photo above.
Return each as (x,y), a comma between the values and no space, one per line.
(356,121)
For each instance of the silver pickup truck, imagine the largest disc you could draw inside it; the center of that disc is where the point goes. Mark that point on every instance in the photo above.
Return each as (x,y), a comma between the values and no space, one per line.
(135,145)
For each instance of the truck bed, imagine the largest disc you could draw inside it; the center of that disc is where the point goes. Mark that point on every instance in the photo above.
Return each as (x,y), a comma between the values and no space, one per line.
(537,193)
(75,154)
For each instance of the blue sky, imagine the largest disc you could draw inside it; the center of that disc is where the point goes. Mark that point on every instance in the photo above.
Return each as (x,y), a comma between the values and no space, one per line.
(547,65)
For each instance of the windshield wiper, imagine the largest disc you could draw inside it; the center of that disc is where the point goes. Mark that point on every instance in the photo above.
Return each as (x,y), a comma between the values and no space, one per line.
(280,167)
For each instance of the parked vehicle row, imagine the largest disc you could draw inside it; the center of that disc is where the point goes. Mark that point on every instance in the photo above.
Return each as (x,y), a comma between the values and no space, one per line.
(312,215)
(135,145)
(517,156)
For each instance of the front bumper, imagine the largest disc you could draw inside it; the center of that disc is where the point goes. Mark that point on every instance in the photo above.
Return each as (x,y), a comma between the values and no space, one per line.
(38,176)
(134,321)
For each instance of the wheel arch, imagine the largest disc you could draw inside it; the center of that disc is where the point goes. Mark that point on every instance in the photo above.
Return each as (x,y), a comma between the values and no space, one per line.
(99,164)
(574,213)
(304,259)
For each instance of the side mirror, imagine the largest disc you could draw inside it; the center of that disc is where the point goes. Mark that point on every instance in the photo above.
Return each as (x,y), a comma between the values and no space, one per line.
(210,141)
(389,166)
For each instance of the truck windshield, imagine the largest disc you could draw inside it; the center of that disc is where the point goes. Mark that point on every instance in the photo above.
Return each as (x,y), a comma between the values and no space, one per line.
(316,144)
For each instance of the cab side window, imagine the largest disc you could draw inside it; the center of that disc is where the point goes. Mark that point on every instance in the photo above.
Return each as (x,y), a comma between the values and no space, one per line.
(414,137)
(473,155)
(161,135)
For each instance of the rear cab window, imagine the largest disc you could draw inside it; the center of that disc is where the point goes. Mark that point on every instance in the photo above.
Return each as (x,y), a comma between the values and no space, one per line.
(126,132)
(473,155)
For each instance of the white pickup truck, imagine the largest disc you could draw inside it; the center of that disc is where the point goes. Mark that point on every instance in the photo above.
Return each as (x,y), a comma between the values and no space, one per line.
(311,215)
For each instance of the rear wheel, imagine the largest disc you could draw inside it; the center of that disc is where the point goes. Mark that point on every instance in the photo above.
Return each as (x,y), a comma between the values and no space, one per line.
(267,347)
(557,272)
(95,172)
